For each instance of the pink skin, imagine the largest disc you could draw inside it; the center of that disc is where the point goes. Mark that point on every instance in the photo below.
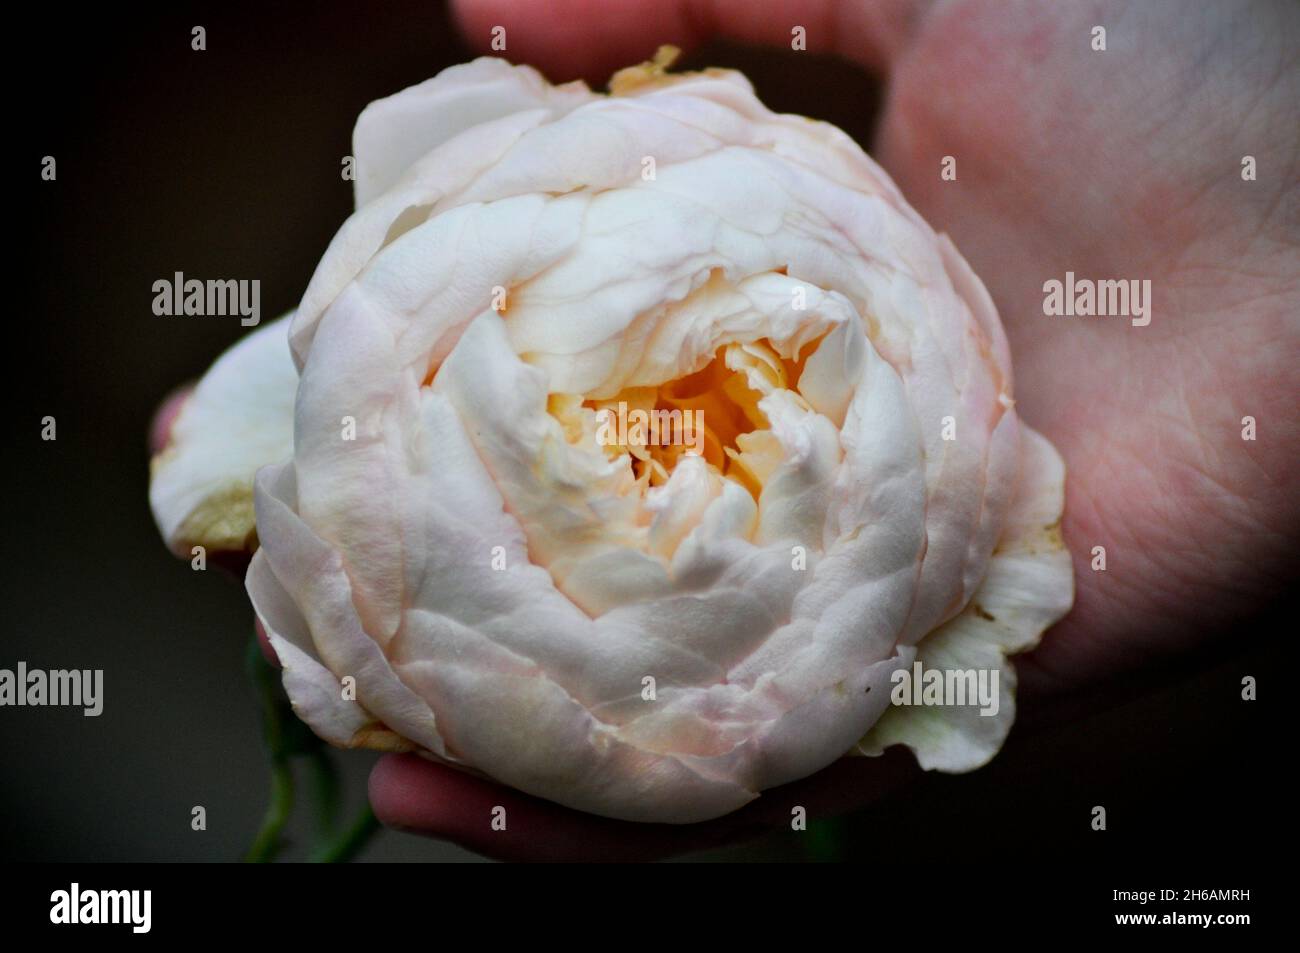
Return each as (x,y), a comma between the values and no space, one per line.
(1123,164)
(165,416)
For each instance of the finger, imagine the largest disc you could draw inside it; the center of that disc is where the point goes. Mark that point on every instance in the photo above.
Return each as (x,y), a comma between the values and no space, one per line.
(592,38)
(264,643)
(420,796)
(160,428)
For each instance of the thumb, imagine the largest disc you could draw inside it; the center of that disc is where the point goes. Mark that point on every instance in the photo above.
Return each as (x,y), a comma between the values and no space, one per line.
(593,38)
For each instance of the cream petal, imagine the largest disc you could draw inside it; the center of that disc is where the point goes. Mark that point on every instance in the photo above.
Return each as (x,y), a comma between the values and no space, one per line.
(543,742)
(312,572)
(679,505)
(796,497)
(428,185)
(238,418)
(318,696)
(1029,586)
(392,133)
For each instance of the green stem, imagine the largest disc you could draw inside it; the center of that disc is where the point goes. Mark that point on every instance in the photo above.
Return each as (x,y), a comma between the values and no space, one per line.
(267,843)
(325,791)
(286,737)
(349,843)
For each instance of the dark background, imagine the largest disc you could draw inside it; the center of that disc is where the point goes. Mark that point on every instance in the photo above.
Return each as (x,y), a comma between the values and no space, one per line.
(226,163)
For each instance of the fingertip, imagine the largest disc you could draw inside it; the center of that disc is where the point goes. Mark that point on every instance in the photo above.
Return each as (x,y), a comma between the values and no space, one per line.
(264,643)
(575,39)
(416,795)
(164,418)
(590,39)
(411,793)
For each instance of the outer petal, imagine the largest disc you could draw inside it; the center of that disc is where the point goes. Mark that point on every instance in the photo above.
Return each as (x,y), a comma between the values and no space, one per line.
(316,693)
(417,152)
(1029,586)
(392,133)
(239,418)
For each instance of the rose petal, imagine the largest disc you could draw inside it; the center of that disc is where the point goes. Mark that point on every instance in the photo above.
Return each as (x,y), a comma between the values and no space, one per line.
(1029,586)
(238,419)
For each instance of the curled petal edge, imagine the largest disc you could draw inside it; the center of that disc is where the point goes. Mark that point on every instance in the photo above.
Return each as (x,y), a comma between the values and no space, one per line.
(1028,587)
(238,419)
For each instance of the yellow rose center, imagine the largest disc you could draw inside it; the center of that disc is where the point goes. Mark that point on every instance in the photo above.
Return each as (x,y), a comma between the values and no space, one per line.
(712,413)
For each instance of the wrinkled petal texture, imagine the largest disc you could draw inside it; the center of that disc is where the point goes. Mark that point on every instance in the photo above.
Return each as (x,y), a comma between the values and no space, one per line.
(502,595)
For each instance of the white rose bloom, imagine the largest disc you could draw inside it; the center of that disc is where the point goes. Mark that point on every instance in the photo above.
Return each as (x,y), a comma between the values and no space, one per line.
(628,628)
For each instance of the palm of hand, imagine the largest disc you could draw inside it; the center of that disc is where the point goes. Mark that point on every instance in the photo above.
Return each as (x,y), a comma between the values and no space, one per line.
(1127,164)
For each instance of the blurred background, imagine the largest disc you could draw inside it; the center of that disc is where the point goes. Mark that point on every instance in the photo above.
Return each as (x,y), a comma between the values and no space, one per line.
(226,164)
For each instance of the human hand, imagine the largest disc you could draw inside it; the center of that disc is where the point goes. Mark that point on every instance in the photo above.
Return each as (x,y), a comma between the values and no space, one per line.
(1118,164)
